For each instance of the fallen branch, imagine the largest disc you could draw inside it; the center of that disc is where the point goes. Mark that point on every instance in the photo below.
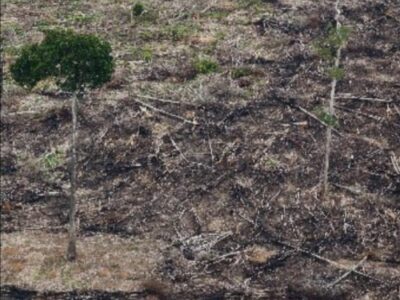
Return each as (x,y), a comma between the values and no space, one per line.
(178,149)
(44,228)
(165,113)
(223,257)
(330,262)
(317,119)
(26,112)
(348,188)
(378,119)
(345,275)
(335,264)
(344,96)
(162,100)
(291,103)
(397,109)
(395,163)
(368,140)
(211,151)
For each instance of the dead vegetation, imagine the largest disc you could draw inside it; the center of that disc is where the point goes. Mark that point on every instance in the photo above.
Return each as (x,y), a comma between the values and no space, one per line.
(212,179)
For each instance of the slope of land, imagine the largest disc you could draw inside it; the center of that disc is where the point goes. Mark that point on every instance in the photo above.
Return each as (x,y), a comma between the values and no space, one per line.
(206,186)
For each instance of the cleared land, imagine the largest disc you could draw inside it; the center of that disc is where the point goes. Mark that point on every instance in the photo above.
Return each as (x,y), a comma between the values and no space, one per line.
(206,186)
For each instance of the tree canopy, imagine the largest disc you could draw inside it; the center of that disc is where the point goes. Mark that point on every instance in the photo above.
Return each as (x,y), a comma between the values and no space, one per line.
(75,60)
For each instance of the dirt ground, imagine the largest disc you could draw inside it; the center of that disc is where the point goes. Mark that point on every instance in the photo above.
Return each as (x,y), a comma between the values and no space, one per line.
(206,186)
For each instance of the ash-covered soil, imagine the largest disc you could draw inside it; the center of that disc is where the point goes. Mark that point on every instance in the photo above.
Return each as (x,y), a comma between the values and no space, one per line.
(231,182)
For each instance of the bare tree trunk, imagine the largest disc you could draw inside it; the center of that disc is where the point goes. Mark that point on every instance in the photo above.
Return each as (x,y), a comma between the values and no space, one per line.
(71,251)
(328,142)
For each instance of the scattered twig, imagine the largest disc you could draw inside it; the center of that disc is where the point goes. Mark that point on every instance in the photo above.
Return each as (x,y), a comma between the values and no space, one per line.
(378,119)
(302,123)
(44,228)
(215,183)
(223,257)
(162,100)
(335,264)
(165,113)
(348,188)
(207,8)
(18,113)
(292,104)
(345,275)
(395,162)
(330,262)
(219,239)
(125,217)
(203,241)
(396,109)
(346,96)
(317,119)
(368,140)
(298,73)
(211,151)
(178,149)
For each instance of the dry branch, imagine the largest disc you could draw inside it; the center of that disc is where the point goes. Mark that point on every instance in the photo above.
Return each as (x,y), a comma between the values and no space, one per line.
(395,162)
(378,119)
(162,100)
(317,119)
(165,113)
(178,149)
(346,96)
(308,113)
(345,275)
(329,261)
(396,109)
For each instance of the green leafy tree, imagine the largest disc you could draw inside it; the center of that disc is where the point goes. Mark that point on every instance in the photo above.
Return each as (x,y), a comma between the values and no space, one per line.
(77,62)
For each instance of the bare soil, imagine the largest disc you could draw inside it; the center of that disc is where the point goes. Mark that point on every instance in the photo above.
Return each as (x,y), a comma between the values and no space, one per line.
(221,201)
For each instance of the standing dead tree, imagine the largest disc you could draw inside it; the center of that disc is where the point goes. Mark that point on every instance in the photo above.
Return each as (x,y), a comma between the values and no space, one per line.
(331,110)
(77,62)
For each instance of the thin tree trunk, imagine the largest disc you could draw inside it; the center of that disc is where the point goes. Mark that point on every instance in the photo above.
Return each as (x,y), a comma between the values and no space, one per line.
(328,142)
(71,251)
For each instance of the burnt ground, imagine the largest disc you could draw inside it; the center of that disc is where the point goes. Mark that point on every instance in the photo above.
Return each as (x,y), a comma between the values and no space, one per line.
(235,196)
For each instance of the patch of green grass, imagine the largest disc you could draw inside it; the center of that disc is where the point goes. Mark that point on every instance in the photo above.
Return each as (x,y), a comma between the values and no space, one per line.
(178,32)
(52,160)
(205,66)
(216,14)
(326,117)
(254,4)
(138,9)
(327,46)
(143,14)
(81,18)
(241,72)
(12,50)
(148,35)
(219,36)
(144,54)
(271,163)
(336,73)
(44,24)
(8,27)
(174,32)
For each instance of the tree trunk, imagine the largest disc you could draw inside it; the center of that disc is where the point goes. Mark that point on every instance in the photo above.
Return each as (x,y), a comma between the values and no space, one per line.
(328,142)
(71,251)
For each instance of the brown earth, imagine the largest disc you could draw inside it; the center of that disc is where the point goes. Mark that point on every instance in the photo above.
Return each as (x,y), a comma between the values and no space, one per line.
(224,205)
